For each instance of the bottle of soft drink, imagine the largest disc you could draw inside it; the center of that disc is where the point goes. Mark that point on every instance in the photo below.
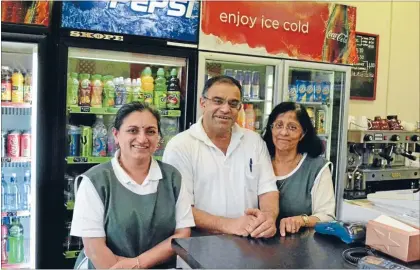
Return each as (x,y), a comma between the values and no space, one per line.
(129,89)
(112,148)
(108,91)
(249,117)
(160,90)
(16,242)
(4,195)
(174,94)
(99,137)
(27,88)
(147,85)
(26,192)
(4,236)
(85,89)
(97,91)
(17,86)
(120,92)
(72,89)
(13,194)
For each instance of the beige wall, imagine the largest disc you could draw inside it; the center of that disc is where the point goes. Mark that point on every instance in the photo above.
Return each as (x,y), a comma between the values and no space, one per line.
(398,27)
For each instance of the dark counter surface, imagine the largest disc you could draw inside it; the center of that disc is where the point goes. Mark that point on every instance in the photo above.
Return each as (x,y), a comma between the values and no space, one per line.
(302,250)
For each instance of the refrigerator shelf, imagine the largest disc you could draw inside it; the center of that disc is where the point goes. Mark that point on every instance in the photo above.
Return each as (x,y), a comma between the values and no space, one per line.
(313,103)
(16,110)
(15,162)
(91,110)
(87,160)
(252,100)
(71,254)
(20,213)
(16,266)
(323,135)
(15,105)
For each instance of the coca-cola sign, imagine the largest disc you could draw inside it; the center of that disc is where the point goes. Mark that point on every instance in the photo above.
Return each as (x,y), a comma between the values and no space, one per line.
(314,31)
(340,37)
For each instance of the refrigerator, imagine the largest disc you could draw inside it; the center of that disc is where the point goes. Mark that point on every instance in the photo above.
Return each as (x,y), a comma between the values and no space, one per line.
(278,80)
(23,128)
(96,76)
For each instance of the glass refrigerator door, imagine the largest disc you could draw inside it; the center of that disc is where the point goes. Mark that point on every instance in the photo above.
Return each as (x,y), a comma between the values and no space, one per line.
(259,80)
(324,90)
(18,129)
(98,83)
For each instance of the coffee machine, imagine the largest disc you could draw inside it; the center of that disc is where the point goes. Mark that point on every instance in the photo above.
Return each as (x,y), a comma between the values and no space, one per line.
(377,161)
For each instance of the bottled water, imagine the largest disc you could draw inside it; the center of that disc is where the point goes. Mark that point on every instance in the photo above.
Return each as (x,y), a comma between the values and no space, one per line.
(26,192)
(99,137)
(4,196)
(12,194)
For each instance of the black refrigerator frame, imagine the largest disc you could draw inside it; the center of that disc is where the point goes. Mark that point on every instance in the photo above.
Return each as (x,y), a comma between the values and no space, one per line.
(41,36)
(52,255)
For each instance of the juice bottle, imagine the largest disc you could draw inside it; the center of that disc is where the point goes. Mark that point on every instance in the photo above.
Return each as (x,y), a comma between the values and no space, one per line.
(249,117)
(17,86)
(16,249)
(4,236)
(97,90)
(27,88)
(109,92)
(6,83)
(174,94)
(129,90)
(120,92)
(160,90)
(241,117)
(147,85)
(85,89)
(72,89)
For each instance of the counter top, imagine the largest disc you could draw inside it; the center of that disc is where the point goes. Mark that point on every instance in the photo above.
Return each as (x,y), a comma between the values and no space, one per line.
(302,250)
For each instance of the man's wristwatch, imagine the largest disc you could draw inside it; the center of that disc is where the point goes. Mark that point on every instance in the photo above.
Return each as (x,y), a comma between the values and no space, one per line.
(305,220)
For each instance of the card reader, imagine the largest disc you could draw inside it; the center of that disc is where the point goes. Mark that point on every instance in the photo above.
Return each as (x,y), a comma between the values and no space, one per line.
(347,232)
(372,262)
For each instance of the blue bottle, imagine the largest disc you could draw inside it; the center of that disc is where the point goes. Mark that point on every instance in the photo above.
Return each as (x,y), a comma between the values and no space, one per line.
(4,196)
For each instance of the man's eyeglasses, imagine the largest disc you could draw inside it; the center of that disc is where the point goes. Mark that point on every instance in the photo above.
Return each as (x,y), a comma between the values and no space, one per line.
(234,104)
(291,128)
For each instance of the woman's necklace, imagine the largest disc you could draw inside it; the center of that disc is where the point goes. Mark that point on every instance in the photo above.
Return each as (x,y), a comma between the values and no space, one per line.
(295,162)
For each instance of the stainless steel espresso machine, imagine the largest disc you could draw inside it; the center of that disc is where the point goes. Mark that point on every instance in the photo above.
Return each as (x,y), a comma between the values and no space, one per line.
(377,162)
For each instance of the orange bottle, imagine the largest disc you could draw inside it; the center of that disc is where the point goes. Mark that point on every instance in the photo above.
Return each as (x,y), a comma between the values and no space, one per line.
(249,117)
(17,86)
(241,117)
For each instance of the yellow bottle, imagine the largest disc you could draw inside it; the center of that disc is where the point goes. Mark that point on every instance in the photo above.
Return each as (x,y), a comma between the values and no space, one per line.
(17,86)
(147,85)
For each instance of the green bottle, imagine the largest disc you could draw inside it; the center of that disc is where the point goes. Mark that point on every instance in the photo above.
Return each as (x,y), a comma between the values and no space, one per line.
(109,92)
(160,90)
(72,89)
(16,242)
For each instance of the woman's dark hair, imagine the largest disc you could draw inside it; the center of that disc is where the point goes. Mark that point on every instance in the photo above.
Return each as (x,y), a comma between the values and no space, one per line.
(221,79)
(310,143)
(135,106)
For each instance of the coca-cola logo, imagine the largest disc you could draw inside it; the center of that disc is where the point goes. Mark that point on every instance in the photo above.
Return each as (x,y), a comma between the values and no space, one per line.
(340,37)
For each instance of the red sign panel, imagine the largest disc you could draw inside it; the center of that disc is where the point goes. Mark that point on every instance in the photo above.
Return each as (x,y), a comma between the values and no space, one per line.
(322,32)
(26,12)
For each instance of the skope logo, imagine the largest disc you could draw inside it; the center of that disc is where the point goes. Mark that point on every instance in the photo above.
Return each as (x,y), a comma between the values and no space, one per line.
(177,8)
(96,35)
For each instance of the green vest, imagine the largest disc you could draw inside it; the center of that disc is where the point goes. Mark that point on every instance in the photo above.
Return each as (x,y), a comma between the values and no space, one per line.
(295,190)
(135,223)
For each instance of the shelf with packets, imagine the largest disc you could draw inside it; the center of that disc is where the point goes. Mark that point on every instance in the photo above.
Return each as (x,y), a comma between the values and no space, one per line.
(16,266)
(111,110)
(87,160)
(252,100)
(18,213)
(15,162)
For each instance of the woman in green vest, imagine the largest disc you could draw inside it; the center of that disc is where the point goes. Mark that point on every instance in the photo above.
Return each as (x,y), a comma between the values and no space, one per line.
(303,175)
(128,210)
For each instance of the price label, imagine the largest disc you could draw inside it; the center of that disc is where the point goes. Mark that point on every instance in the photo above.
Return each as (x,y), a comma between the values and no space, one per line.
(6,159)
(85,109)
(80,159)
(245,99)
(164,113)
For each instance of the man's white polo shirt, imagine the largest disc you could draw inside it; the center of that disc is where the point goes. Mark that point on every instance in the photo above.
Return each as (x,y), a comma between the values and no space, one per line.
(223,185)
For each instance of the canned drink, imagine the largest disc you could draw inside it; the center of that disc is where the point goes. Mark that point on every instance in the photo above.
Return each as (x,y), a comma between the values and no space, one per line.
(292,92)
(86,140)
(3,143)
(246,87)
(301,90)
(320,122)
(229,72)
(173,100)
(73,133)
(25,144)
(318,92)
(13,144)
(326,86)
(310,91)
(239,76)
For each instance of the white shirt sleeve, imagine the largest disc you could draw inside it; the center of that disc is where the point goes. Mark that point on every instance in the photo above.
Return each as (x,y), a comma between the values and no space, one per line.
(178,157)
(323,199)
(88,213)
(183,211)
(267,181)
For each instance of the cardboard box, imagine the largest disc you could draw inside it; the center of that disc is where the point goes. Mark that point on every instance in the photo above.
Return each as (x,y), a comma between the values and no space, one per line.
(396,242)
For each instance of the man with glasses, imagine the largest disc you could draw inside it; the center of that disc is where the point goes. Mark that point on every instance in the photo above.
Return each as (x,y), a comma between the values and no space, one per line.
(226,169)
